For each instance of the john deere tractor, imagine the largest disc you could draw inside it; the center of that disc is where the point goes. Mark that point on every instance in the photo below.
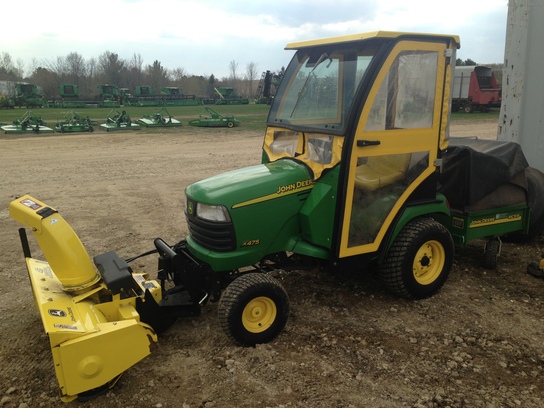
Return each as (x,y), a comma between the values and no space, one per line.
(351,177)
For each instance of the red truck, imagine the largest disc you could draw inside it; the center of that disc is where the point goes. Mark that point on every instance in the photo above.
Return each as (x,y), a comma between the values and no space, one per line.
(475,88)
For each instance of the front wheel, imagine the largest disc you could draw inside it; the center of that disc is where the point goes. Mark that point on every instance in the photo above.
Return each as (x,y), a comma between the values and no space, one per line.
(253,309)
(419,260)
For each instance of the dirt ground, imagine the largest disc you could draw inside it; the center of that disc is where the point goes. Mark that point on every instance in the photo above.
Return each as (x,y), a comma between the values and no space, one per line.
(348,342)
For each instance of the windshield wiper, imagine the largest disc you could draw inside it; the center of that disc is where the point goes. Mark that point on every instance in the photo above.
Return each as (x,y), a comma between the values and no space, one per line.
(323,57)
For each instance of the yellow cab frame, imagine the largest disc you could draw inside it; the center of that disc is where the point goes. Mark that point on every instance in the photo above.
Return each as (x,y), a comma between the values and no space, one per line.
(386,133)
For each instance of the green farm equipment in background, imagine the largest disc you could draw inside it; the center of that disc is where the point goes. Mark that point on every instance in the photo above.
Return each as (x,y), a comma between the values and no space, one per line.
(119,121)
(73,122)
(29,123)
(214,120)
(109,95)
(169,96)
(70,98)
(264,90)
(160,119)
(28,95)
(227,96)
(7,102)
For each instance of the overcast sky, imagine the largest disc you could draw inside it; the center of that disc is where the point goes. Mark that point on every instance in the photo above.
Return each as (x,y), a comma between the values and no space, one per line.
(203,36)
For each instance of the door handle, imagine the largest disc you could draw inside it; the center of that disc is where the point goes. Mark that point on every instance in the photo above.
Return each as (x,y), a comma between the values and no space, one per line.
(363,143)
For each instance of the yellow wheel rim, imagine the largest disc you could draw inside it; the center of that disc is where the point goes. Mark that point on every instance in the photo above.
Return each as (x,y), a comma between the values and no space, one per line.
(259,314)
(429,262)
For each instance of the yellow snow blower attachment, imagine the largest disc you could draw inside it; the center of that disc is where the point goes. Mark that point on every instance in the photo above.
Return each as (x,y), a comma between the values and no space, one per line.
(90,315)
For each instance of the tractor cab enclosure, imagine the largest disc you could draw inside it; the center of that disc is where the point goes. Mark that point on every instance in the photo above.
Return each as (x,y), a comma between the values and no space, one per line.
(353,142)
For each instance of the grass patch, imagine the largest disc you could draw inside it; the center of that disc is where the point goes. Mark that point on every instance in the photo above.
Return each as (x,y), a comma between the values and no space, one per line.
(252,116)
(475,116)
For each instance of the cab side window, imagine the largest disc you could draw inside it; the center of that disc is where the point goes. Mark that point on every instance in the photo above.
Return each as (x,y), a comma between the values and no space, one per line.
(405,99)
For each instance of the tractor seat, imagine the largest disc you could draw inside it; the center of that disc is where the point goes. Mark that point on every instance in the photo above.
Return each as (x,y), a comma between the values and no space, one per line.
(380,171)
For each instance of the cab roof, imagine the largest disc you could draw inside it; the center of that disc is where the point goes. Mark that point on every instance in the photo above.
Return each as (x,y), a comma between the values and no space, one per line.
(365,36)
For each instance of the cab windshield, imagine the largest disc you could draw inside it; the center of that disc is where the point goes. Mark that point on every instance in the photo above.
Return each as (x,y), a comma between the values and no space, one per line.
(318,89)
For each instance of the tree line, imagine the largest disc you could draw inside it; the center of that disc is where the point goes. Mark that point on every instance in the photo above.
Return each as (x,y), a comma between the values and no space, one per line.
(109,68)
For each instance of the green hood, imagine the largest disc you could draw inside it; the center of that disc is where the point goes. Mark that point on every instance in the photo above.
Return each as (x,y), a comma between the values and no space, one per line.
(251,185)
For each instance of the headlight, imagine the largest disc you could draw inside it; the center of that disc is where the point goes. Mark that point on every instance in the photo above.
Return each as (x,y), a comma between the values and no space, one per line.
(212,212)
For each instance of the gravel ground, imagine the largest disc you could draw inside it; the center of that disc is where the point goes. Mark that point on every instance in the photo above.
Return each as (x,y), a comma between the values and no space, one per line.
(348,342)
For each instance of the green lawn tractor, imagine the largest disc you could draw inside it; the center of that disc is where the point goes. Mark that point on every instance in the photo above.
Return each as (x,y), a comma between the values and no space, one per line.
(356,173)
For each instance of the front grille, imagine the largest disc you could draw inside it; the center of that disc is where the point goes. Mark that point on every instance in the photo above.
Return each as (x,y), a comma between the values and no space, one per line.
(213,235)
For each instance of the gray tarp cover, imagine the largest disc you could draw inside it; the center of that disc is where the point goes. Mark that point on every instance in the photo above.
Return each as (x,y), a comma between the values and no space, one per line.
(474,169)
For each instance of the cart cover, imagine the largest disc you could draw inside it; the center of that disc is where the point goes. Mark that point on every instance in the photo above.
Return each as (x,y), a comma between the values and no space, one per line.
(483,174)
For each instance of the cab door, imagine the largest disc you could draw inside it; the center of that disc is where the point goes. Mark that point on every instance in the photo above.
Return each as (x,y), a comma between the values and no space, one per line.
(401,128)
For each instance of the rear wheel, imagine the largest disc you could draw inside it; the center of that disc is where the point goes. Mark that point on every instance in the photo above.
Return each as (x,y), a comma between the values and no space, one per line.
(468,108)
(253,309)
(419,260)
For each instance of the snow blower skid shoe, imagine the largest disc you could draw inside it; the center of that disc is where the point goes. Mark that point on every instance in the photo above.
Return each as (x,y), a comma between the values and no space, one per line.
(90,316)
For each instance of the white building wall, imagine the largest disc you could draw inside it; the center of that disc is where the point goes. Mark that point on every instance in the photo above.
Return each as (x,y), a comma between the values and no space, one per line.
(522,111)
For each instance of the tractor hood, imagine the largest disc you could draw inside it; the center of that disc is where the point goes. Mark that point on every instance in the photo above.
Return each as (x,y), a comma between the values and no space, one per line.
(237,218)
(252,185)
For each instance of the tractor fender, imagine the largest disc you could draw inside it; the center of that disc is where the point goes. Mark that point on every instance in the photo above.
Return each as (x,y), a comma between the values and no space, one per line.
(437,209)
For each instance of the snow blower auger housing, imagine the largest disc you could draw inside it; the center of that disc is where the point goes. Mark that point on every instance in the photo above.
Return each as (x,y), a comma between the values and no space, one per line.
(99,320)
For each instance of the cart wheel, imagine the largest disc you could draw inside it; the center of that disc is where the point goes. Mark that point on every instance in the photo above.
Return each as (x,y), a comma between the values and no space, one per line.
(419,260)
(230,124)
(253,309)
(492,251)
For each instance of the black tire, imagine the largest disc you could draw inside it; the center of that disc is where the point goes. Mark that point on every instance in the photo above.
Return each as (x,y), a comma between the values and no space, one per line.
(491,253)
(419,260)
(468,108)
(535,200)
(253,309)
(230,124)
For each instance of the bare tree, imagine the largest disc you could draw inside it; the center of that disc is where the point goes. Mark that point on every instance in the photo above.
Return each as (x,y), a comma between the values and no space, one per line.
(233,74)
(47,80)
(251,76)
(111,67)
(33,66)
(177,74)
(20,67)
(136,76)
(8,69)
(58,67)
(156,75)
(233,70)
(75,67)
(89,86)
(179,78)
(136,62)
